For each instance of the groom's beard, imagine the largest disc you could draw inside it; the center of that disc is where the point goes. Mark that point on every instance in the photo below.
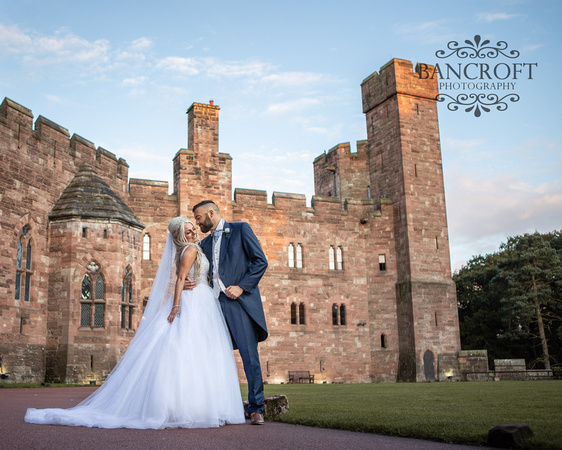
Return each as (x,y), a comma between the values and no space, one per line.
(206,225)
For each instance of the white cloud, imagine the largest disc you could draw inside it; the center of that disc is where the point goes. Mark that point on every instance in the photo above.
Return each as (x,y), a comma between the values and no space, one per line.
(61,47)
(212,67)
(492,17)
(133,82)
(275,155)
(483,212)
(54,98)
(462,145)
(65,46)
(293,79)
(13,40)
(291,106)
(435,31)
(217,68)
(141,44)
(179,65)
(135,85)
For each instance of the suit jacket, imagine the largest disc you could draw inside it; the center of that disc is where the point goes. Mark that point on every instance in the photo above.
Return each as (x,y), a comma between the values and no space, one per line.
(241,263)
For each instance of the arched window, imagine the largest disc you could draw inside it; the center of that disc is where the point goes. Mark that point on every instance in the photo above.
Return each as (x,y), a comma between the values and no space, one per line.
(146,247)
(334,314)
(339,258)
(299,257)
(86,307)
(100,288)
(23,270)
(298,315)
(293,313)
(343,320)
(291,255)
(92,303)
(19,257)
(302,320)
(331,258)
(127,307)
(99,302)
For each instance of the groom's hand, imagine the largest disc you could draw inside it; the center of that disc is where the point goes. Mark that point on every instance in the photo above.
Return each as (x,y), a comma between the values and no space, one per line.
(189,284)
(233,292)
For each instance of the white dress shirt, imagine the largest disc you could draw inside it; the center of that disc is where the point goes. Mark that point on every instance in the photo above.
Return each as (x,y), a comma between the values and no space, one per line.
(218,285)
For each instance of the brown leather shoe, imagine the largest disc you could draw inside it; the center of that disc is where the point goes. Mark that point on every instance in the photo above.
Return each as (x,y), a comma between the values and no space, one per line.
(257,419)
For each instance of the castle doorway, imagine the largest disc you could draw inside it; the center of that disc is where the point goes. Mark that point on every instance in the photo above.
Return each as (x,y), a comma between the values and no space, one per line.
(429,366)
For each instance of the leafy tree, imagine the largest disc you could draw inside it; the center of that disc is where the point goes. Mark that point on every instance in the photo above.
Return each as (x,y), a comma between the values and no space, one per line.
(529,274)
(510,301)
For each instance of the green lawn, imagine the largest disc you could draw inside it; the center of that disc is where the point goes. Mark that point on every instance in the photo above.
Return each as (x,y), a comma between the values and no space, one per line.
(460,413)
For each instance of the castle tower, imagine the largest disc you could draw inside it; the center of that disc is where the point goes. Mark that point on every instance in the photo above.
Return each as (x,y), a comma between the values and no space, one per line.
(200,171)
(93,309)
(405,168)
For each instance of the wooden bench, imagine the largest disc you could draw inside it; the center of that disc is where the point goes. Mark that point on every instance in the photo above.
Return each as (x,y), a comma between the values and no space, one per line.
(300,376)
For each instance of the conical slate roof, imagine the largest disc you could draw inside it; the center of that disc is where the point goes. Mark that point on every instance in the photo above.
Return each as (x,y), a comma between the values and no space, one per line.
(88,196)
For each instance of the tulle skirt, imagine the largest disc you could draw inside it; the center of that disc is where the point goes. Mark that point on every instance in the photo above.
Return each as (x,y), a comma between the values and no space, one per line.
(179,375)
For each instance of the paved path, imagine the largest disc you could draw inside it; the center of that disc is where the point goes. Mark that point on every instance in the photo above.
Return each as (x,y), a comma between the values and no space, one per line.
(17,434)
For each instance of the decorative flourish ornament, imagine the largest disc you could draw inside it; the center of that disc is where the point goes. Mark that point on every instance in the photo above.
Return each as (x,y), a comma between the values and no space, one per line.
(477,49)
(478,102)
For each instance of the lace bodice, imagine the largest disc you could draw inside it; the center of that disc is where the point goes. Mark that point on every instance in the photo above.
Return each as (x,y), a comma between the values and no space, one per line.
(203,278)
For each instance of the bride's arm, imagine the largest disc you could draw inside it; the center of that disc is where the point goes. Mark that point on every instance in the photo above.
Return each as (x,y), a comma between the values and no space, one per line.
(186,262)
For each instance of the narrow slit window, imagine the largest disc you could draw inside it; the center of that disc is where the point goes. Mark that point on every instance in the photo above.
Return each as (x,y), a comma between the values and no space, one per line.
(293,313)
(339,258)
(291,255)
(19,258)
(334,314)
(331,258)
(146,247)
(382,263)
(299,257)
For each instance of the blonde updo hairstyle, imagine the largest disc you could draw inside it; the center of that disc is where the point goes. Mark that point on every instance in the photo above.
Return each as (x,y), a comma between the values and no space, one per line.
(176,227)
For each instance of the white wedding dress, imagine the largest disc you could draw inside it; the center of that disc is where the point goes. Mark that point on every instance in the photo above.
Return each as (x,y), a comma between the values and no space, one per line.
(179,375)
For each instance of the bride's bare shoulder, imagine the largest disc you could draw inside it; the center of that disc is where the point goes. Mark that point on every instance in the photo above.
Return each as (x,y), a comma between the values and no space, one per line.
(189,250)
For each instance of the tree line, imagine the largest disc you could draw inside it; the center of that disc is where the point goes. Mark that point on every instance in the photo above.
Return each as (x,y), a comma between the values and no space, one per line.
(510,301)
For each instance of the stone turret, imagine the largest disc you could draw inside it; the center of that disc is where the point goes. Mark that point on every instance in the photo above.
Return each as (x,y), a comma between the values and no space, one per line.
(405,167)
(200,171)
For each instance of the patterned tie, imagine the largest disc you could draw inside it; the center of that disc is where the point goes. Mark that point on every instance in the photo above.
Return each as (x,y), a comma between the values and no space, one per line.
(216,235)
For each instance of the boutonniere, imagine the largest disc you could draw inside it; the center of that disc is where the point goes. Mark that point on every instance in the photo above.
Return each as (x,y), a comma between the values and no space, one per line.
(226,231)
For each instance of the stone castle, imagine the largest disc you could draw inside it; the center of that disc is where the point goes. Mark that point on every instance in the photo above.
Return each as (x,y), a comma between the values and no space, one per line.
(358,287)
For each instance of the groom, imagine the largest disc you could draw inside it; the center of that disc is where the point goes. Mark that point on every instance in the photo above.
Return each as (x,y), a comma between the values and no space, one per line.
(237,265)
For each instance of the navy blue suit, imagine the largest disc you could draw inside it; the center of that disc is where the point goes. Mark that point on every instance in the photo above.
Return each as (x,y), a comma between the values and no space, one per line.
(243,263)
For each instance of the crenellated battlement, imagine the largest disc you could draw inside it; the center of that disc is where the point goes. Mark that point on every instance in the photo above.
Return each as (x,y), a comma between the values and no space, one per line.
(52,142)
(341,173)
(43,122)
(295,205)
(397,77)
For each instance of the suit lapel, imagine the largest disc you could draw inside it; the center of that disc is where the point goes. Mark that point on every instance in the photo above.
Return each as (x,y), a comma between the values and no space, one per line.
(207,246)
(225,239)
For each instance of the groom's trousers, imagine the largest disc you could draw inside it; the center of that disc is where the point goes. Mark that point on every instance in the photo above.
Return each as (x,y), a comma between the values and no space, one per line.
(243,332)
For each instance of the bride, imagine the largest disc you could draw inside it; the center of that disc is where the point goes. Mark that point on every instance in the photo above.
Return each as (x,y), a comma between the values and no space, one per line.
(179,369)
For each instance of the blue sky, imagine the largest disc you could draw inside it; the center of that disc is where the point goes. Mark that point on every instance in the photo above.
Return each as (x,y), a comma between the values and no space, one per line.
(287,77)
